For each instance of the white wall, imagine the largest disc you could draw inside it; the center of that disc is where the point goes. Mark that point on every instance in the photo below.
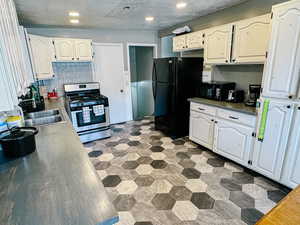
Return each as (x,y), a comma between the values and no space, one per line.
(101,36)
(167,47)
(242,75)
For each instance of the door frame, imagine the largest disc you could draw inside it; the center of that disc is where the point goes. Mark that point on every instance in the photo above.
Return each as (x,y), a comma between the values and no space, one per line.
(128,109)
(128,73)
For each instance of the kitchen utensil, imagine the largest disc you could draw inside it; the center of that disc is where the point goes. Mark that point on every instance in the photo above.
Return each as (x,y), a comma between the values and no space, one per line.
(19,141)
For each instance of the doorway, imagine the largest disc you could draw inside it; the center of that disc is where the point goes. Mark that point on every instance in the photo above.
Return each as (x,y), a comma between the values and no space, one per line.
(141,66)
(109,72)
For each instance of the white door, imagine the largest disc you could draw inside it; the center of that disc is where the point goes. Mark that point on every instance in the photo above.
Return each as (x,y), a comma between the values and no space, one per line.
(64,49)
(269,153)
(251,40)
(83,50)
(234,141)
(201,129)
(109,71)
(291,170)
(218,45)
(42,55)
(281,76)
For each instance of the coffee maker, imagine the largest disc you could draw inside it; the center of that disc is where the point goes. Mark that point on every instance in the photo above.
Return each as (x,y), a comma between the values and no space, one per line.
(254,94)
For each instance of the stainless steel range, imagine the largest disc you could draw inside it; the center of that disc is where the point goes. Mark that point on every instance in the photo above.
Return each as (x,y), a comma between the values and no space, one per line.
(88,111)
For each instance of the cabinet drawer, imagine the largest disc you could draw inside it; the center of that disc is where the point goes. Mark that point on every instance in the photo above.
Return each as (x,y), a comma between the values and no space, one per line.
(237,117)
(203,108)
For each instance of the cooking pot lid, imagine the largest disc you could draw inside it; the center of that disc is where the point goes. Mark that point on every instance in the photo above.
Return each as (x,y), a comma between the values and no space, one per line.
(19,133)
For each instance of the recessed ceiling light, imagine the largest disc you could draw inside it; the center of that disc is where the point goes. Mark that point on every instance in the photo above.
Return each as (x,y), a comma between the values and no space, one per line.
(75,21)
(73,13)
(149,18)
(181,5)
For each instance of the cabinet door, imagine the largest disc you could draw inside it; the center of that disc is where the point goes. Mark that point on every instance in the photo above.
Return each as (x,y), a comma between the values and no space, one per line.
(8,92)
(233,141)
(195,40)
(281,75)
(291,174)
(218,45)
(269,153)
(42,55)
(64,49)
(251,40)
(83,50)
(202,129)
(179,43)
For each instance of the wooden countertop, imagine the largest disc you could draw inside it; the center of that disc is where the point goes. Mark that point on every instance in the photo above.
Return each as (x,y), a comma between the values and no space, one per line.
(287,212)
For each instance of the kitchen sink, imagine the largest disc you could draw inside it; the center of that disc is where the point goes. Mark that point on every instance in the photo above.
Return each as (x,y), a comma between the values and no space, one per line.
(46,117)
(42,114)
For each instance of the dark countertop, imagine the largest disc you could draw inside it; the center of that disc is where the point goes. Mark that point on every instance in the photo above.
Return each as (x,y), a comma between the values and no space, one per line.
(238,107)
(56,185)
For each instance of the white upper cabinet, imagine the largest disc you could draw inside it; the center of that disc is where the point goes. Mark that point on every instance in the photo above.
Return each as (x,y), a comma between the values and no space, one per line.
(42,56)
(218,45)
(195,40)
(201,129)
(251,40)
(233,141)
(83,50)
(269,153)
(8,91)
(179,43)
(73,49)
(281,75)
(13,62)
(291,171)
(64,49)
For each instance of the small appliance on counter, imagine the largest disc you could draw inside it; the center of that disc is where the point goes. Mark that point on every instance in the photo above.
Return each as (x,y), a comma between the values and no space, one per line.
(18,141)
(254,94)
(216,90)
(52,95)
(88,111)
(236,96)
(32,101)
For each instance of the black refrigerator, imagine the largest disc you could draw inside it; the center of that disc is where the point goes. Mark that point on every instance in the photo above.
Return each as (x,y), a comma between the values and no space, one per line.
(174,81)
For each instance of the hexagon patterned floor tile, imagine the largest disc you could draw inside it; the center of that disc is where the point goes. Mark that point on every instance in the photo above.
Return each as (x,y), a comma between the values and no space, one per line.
(154,180)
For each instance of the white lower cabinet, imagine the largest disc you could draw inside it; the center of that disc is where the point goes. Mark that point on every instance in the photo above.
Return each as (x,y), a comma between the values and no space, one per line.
(202,129)
(269,153)
(212,128)
(291,169)
(233,141)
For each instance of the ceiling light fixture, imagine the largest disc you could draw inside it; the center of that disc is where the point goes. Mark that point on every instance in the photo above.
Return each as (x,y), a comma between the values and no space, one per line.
(149,18)
(74,21)
(74,14)
(181,5)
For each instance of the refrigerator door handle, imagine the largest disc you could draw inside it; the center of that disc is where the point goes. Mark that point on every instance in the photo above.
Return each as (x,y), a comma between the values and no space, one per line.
(154,80)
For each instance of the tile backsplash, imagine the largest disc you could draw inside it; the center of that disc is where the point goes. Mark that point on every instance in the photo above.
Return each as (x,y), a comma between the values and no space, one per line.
(68,72)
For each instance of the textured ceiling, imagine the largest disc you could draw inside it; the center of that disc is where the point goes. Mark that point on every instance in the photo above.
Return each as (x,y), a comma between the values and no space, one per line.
(110,13)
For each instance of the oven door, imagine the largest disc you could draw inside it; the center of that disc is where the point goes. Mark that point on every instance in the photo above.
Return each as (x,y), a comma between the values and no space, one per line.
(86,119)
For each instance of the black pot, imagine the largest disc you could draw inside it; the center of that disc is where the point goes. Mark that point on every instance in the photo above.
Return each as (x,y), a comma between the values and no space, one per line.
(19,141)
